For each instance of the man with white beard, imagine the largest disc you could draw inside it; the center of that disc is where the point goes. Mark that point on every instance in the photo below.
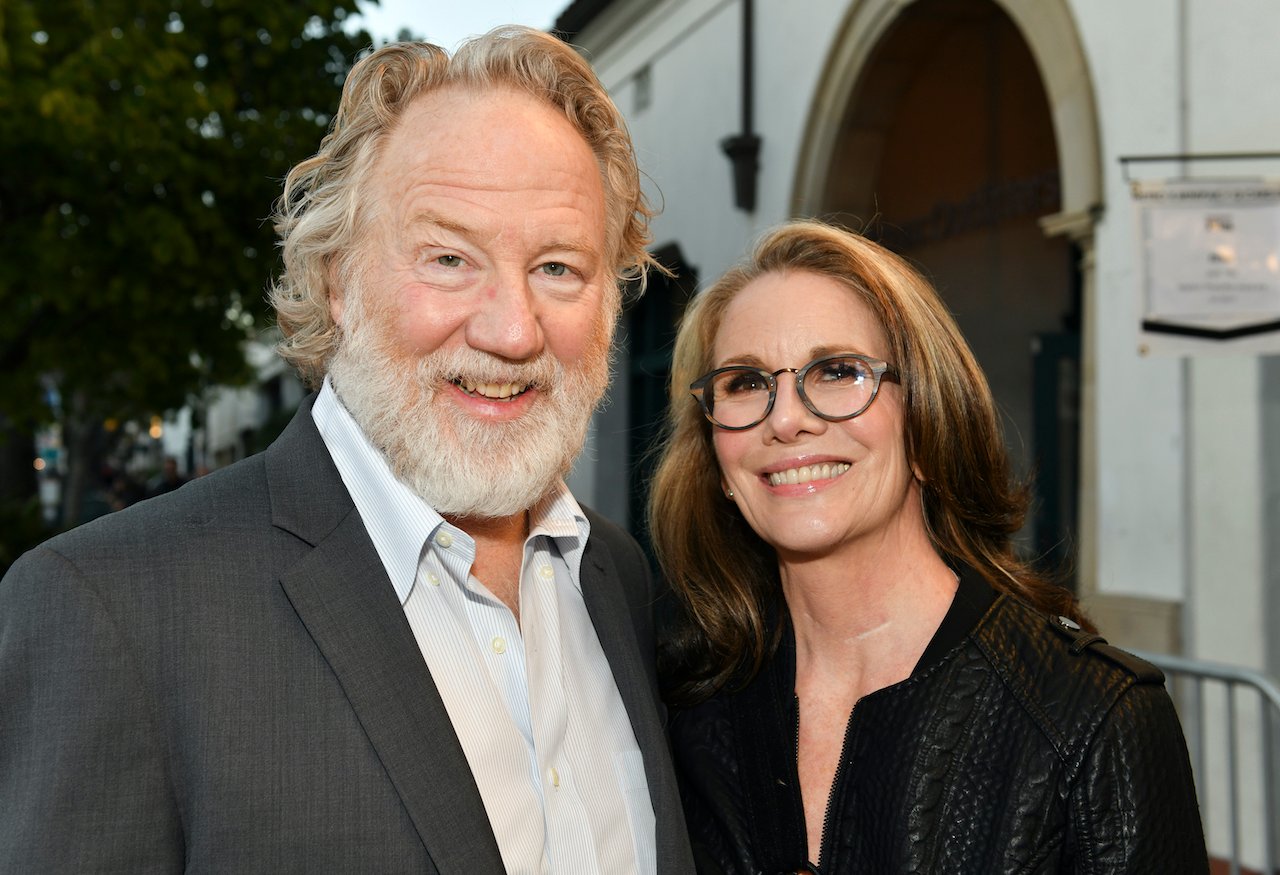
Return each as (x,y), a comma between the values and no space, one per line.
(393,642)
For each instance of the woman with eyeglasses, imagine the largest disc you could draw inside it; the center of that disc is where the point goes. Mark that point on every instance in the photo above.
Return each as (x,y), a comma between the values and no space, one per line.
(868,679)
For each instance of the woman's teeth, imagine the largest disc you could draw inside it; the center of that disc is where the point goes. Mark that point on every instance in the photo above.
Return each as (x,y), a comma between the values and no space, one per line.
(807,473)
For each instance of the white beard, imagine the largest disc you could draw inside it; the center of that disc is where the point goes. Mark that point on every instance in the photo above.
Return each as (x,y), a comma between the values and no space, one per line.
(459,465)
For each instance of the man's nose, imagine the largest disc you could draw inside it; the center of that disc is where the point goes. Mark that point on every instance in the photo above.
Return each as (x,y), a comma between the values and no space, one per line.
(505,322)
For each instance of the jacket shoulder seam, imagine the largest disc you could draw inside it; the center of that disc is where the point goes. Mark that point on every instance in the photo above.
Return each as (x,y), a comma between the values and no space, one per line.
(1013,629)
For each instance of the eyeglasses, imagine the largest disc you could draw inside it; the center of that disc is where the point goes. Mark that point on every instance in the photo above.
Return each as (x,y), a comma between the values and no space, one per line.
(836,388)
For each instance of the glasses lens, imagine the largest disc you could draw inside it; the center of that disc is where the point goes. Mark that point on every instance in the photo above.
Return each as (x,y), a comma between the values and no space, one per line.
(738,397)
(839,387)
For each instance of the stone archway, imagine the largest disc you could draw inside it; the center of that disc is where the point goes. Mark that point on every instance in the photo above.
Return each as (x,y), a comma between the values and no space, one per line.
(1050,33)
(1041,182)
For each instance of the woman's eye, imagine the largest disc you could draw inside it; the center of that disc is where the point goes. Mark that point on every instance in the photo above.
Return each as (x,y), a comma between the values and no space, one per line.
(554,268)
(841,372)
(741,384)
(449,260)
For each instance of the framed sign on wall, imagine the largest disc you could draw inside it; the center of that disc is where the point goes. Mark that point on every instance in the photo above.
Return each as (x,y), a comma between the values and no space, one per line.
(1209,261)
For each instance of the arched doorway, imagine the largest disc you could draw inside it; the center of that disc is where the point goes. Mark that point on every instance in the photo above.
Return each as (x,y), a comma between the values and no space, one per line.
(940,141)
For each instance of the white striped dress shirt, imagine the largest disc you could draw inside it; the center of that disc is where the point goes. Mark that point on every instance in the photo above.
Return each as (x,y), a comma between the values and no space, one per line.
(534,705)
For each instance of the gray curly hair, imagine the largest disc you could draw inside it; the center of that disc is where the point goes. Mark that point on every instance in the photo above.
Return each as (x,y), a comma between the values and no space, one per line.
(320,214)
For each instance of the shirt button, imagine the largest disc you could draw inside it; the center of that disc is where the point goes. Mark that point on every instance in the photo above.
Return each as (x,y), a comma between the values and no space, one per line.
(498,645)
(433,578)
(444,539)
(553,776)
(547,572)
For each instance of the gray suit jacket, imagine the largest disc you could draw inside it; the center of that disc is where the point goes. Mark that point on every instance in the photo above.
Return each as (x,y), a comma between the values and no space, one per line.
(222,679)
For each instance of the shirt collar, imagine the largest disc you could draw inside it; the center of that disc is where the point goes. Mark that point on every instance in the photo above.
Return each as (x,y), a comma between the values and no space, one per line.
(560,517)
(400,522)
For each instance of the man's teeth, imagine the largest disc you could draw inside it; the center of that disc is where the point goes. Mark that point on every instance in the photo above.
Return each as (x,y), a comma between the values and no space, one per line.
(493,390)
(806,473)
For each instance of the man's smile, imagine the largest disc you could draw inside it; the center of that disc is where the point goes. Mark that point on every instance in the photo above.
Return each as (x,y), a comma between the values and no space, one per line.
(491,391)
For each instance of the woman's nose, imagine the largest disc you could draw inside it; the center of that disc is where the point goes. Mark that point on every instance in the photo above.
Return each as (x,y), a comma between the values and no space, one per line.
(790,416)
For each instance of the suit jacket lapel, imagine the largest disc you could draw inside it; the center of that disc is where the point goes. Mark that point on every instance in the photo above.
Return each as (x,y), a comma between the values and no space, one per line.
(610,614)
(341,593)
(634,674)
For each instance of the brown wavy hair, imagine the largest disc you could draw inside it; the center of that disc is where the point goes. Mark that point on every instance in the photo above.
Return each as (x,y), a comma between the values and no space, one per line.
(319,217)
(725,576)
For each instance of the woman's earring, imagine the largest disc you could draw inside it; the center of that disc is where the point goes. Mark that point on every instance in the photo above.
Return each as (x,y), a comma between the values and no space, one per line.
(728,494)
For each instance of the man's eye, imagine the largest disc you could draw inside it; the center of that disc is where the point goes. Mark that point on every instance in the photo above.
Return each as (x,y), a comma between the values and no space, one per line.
(554,268)
(449,261)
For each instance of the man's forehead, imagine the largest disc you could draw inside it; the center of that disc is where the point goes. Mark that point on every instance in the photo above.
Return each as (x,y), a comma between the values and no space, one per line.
(451,103)
(479,131)
(462,158)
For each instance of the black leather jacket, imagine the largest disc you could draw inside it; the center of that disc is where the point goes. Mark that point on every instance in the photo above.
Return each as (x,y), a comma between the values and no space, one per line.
(1022,746)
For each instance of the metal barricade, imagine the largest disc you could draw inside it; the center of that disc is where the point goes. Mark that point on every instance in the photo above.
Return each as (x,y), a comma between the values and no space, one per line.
(1222,708)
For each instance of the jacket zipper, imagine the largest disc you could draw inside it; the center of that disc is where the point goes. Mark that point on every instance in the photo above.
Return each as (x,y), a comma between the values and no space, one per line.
(824,852)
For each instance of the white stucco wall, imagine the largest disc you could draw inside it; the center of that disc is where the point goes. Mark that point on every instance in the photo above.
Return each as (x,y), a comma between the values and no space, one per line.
(693,49)
(1234,106)
(1180,440)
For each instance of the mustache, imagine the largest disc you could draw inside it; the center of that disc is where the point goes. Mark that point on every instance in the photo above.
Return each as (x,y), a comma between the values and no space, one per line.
(466,365)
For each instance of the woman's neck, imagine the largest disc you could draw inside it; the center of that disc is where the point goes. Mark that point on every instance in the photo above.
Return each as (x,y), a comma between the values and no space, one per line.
(863,616)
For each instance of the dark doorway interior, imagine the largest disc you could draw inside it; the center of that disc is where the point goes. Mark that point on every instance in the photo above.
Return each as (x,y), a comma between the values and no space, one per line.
(947,154)
(651,325)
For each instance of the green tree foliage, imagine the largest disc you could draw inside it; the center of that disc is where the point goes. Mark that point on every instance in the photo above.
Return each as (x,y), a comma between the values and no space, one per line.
(142,143)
